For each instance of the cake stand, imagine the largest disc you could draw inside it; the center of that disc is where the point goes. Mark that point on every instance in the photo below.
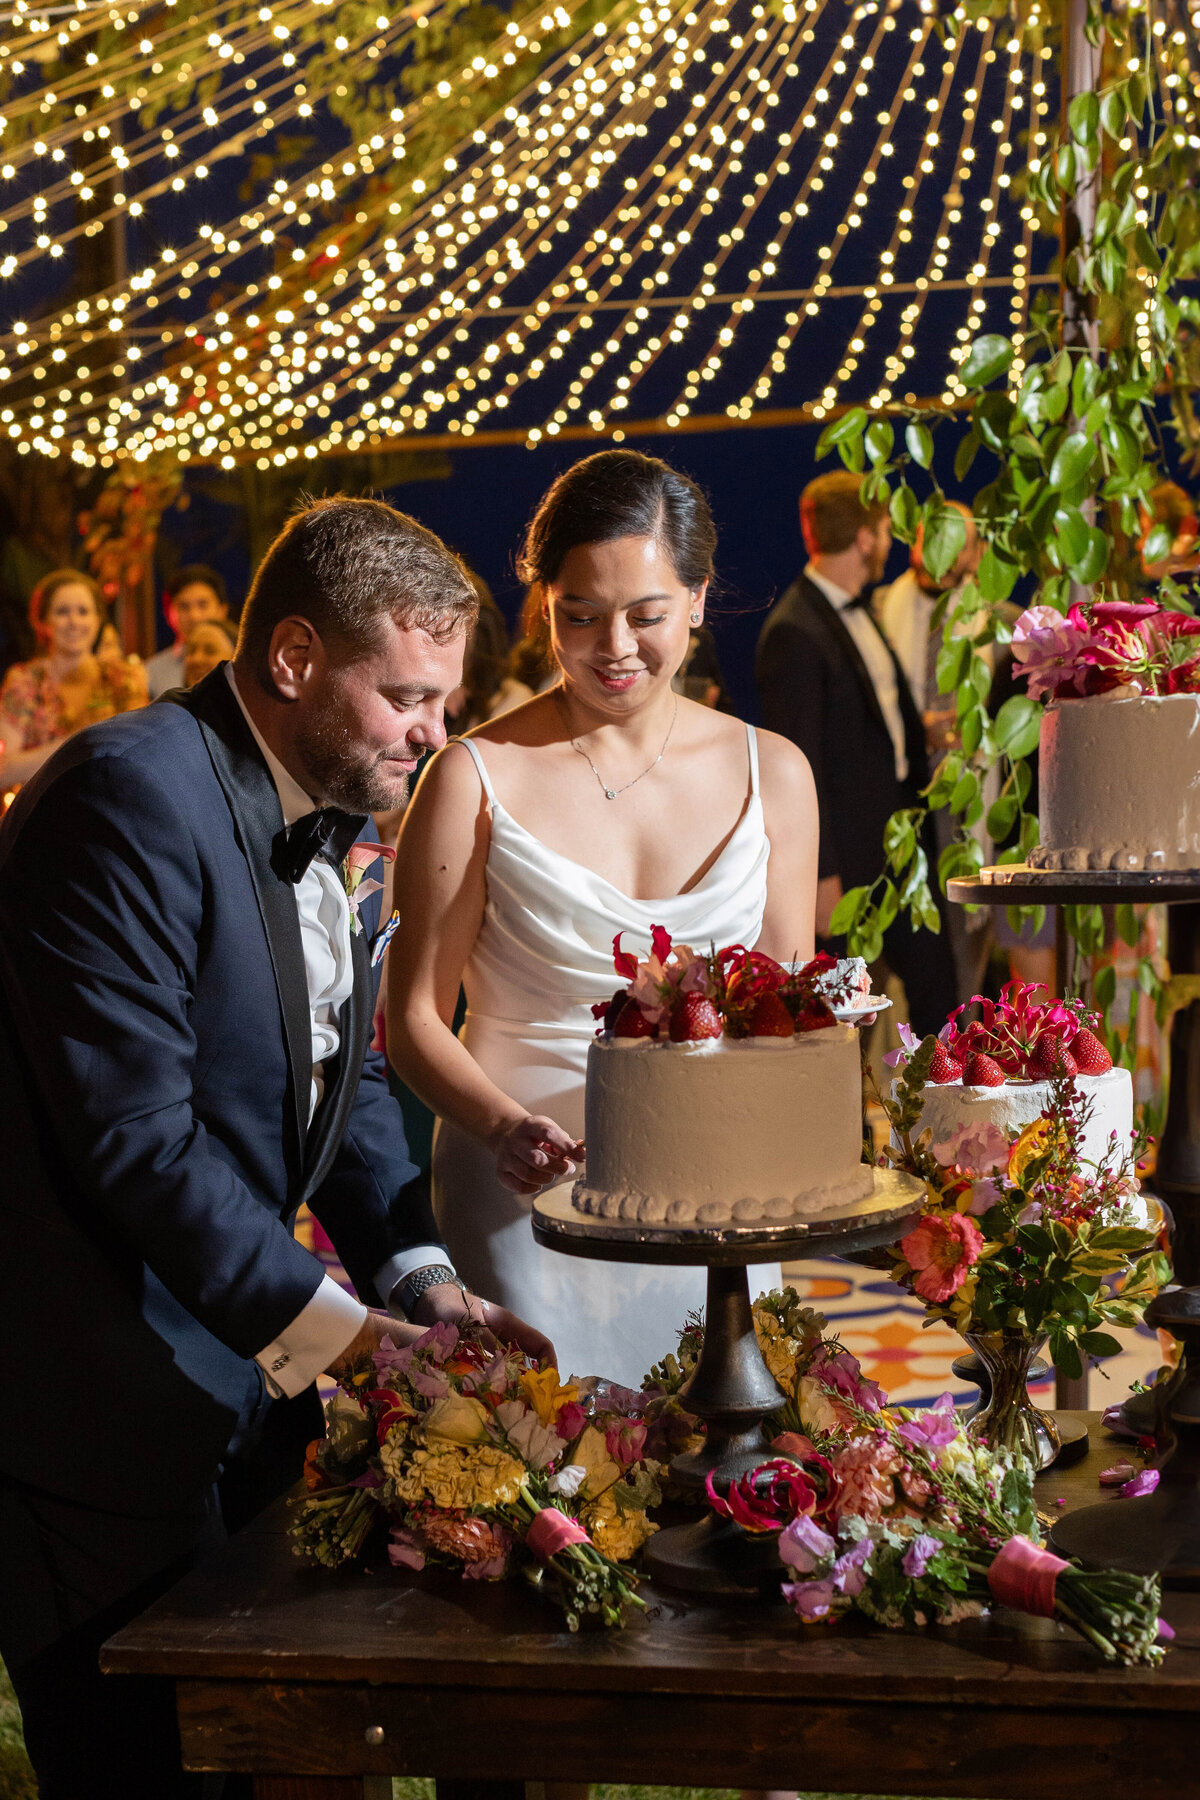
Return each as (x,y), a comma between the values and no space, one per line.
(731,1388)
(1144,1543)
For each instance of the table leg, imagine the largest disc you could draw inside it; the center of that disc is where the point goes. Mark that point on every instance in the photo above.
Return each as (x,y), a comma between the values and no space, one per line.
(1178,1174)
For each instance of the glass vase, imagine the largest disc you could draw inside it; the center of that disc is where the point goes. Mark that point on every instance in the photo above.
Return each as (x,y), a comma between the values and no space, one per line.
(1010,1420)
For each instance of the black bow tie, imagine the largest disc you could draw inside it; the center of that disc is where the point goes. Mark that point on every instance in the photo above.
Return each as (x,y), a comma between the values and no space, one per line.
(862,600)
(327,832)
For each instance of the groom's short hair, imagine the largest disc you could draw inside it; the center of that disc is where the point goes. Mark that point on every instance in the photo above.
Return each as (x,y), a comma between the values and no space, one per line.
(832,513)
(346,565)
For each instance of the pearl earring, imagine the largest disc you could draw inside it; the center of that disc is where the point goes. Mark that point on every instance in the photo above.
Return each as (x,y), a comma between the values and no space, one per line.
(695,618)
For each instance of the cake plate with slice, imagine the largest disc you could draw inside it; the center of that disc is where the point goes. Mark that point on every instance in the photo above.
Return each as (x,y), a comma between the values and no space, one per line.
(730,1388)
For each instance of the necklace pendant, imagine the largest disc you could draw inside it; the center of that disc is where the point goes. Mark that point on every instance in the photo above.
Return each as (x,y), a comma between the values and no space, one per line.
(610,793)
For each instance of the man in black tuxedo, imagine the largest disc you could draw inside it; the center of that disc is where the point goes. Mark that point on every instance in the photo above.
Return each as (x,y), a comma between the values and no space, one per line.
(829,681)
(186,996)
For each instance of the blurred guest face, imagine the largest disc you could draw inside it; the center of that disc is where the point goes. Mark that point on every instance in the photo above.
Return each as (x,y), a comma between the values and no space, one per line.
(72,619)
(620,623)
(204,649)
(107,647)
(194,604)
(360,728)
(875,541)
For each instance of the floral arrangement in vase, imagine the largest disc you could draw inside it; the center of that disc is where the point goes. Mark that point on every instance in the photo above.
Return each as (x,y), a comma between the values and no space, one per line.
(452,1451)
(1104,645)
(1020,1241)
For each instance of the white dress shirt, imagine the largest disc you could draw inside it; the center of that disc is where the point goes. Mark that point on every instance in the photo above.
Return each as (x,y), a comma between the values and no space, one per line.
(322,1330)
(880,667)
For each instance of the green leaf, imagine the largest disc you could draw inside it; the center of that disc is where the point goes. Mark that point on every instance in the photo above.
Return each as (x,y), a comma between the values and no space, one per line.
(846,911)
(995,576)
(1112,113)
(919,440)
(1099,1343)
(1083,117)
(1071,527)
(990,356)
(1067,1359)
(899,839)
(1002,816)
(1104,986)
(1017,725)
(972,728)
(1072,460)
(840,431)
(952,661)
(945,537)
(1084,383)
(905,512)
(880,440)
(966,789)
(1126,922)
(964,456)
(1158,544)
(1091,565)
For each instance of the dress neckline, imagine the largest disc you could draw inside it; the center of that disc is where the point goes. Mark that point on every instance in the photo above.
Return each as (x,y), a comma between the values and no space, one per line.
(753,803)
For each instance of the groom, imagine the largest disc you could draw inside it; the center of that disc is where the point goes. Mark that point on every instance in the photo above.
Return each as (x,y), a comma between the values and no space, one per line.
(186,996)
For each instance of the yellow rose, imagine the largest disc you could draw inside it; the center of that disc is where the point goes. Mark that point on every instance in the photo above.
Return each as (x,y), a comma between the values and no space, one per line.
(817,1409)
(617,1531)
(541,1388)
(779,1351)
(1036,1140)
(602,1471)
(456,1419)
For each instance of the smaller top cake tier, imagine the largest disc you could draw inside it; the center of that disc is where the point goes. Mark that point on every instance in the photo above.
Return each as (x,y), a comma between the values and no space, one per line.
(1119,783)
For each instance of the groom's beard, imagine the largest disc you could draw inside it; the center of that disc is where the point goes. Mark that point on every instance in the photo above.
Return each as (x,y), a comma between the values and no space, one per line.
(343,773)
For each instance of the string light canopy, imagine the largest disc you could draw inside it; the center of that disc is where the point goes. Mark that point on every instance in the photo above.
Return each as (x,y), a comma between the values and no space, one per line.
(694,207)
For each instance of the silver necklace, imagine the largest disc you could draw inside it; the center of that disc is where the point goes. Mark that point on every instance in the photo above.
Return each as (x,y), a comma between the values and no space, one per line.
(611,793)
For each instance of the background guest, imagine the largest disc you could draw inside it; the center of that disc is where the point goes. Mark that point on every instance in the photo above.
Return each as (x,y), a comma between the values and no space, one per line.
(1170,505)
(531,667)
(829,681)
(197,594)
(700,677)
(484,665)
(70,684)
(206,647)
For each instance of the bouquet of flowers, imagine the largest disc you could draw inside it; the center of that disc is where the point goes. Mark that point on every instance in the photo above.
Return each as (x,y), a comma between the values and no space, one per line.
(901,1516)
(462,1454)
(1022,1235)
(1107,644)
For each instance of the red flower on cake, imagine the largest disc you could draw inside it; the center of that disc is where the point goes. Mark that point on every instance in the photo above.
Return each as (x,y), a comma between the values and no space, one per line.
(940,1252)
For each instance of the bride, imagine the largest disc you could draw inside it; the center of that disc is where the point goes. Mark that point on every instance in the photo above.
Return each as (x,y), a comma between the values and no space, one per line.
(607,804)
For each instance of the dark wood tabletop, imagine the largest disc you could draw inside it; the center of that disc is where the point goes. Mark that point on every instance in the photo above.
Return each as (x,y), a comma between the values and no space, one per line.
(285,1670)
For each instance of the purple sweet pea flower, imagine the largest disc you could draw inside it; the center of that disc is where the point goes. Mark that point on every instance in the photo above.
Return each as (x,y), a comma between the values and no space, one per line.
(916,1557)
(1113,1419)
(1165,1632)
(1143,1483)
(811,1599)
(1051,651)
(843,1373)
(935,1427)
(391,1359)
(403,1550)
(802,1545)
(848,1574)
(909,1041)
(984,1195)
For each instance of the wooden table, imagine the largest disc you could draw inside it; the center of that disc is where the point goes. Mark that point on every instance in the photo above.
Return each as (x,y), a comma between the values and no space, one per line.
(315,1681)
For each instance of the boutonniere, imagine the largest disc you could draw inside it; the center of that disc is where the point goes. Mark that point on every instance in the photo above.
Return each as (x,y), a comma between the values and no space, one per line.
(358,861)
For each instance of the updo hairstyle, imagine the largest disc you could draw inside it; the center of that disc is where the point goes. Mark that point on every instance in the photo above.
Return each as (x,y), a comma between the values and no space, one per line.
(619,494)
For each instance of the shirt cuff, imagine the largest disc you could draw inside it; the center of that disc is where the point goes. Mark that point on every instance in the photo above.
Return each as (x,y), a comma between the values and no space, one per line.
(315,1338)
(396,1268)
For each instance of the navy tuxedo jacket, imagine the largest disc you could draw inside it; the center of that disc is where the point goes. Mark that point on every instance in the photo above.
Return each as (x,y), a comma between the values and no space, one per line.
(816,690)
(155,1065)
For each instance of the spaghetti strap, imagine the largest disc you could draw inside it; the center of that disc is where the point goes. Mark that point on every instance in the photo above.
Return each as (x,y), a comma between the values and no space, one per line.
(477,759)
(752,750)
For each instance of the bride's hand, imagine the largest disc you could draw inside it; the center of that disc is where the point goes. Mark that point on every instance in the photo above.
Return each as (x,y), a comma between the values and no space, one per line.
(534,1153)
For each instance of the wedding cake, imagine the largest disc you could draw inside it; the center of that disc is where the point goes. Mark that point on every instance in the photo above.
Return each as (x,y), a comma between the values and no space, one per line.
(1119,783)
(721,1090)
(999,1070)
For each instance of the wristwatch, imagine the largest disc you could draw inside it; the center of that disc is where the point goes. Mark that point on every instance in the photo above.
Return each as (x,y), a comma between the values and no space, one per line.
(409,1291)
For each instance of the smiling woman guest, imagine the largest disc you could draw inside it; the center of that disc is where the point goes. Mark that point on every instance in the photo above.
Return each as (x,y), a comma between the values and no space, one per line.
(68,686)
(206,647)
(609,803)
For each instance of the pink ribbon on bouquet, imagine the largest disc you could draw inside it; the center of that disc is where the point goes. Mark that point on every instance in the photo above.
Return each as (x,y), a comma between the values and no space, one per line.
(1023,1577)
(553,1531)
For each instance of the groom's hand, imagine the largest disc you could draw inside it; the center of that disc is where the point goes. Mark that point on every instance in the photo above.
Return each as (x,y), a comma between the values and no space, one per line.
(447,1302)
(363,1345)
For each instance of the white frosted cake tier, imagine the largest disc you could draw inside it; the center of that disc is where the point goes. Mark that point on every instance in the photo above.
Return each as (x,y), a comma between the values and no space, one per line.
(1119,783)
(724,1131)
(1018,1103)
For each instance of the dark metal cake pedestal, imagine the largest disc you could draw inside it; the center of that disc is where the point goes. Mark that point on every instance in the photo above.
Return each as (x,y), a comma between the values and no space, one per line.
(731,1388)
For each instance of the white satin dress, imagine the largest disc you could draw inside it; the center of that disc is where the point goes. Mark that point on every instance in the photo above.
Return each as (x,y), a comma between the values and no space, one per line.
(542,957)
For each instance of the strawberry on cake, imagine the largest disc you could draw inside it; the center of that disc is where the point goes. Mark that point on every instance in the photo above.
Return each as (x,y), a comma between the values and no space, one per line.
(999,1068)
(720,1089)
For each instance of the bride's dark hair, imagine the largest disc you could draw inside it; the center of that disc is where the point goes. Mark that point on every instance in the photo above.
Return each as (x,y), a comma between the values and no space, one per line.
(617,494)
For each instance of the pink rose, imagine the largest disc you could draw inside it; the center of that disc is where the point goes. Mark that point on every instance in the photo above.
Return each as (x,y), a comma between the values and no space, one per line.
(865,1470)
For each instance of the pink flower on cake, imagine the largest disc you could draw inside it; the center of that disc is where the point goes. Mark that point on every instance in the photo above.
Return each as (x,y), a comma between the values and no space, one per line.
(940,1252)
(668,972)
(1050,650)
(976,1149)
